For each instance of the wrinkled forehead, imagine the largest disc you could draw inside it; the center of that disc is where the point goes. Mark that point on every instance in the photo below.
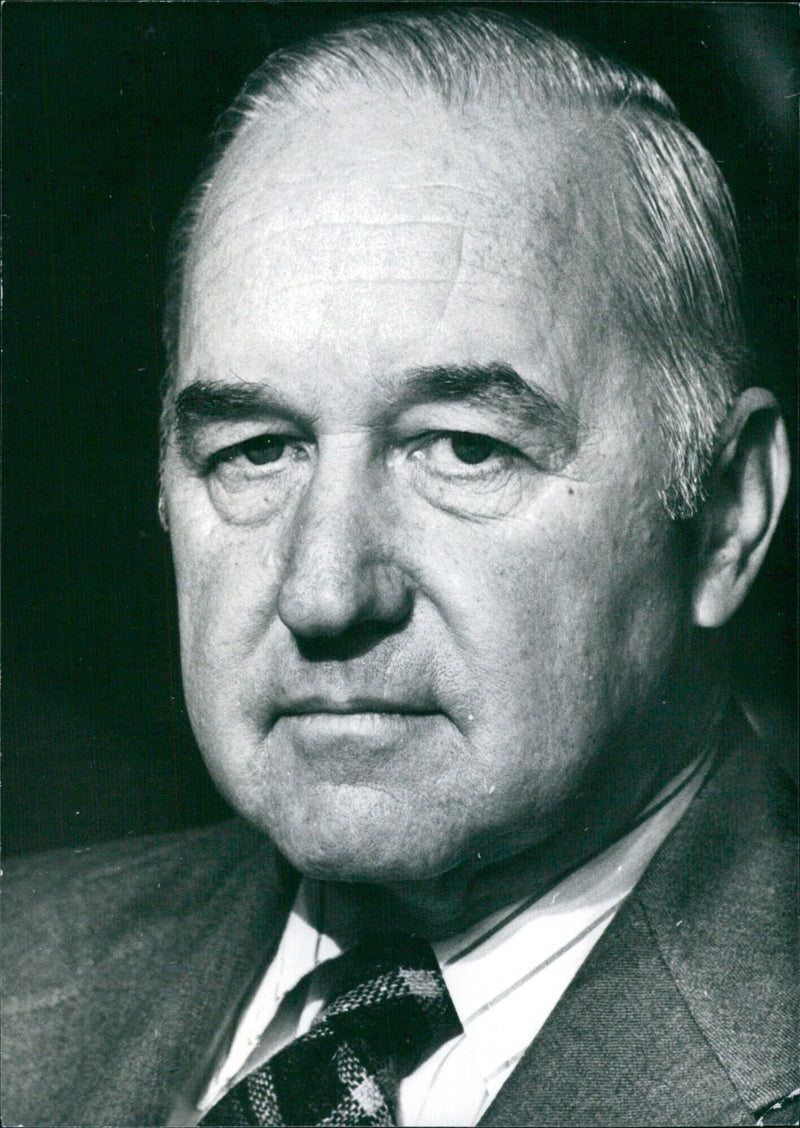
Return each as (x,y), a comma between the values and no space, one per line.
(389,219)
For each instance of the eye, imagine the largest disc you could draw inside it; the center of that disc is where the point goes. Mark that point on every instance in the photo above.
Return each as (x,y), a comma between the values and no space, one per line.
(256,460)
(453,454)
(260,450)
(472,449)
(269,452)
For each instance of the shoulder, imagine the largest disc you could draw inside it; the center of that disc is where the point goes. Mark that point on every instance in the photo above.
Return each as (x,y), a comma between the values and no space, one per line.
(65,912)
(721,901)
(119,959)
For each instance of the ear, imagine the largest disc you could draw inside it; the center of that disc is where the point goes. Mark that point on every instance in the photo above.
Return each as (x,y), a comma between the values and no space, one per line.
(748,485)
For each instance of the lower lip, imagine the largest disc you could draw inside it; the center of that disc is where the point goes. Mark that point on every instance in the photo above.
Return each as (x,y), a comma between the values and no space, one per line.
(319,731)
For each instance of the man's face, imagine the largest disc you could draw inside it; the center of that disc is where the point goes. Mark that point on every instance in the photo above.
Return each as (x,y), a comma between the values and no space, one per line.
(424,580)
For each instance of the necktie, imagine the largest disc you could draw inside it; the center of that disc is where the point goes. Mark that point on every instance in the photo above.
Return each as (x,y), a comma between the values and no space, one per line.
(389,1009)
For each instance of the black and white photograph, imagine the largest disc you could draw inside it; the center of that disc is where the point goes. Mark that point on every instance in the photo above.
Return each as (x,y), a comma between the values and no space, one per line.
(399,573)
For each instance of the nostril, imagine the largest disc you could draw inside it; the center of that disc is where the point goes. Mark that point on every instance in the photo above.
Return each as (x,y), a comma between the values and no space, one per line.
(356,640)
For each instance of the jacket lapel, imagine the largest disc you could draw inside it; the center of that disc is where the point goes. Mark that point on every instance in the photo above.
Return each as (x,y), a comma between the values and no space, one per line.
(681,1014)
(620,1049)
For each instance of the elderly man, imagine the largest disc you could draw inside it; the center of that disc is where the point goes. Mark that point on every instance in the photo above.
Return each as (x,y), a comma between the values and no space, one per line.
(458,474)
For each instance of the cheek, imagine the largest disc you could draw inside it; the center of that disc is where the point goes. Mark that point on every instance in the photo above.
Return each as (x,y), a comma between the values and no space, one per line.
(223,588)
(583,593)
(219,566)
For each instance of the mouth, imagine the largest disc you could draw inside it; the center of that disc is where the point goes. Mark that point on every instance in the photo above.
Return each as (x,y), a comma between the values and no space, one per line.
(353,707)
(315,725)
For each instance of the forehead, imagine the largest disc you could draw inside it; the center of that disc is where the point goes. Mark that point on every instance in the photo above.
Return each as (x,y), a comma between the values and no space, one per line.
(378,231)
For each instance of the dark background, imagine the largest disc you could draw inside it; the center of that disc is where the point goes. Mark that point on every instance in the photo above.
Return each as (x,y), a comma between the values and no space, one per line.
(106,108)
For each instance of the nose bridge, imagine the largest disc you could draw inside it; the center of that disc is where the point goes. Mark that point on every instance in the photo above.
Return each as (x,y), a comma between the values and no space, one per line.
(337,565)
(332,524)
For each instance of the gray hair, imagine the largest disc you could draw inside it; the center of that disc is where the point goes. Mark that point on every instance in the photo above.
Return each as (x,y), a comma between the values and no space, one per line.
(675,293)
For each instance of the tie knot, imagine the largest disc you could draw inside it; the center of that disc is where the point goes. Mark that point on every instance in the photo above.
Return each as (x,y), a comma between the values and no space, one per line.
(389,992)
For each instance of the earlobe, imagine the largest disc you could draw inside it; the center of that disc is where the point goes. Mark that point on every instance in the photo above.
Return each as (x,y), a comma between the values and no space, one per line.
(748,486)
(162,511)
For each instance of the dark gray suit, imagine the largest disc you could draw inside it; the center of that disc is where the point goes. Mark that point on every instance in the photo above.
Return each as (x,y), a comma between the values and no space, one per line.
(122,961)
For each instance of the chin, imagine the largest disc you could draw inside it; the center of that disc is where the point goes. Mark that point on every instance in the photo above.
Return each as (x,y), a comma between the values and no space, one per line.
(368,858)
(359,866)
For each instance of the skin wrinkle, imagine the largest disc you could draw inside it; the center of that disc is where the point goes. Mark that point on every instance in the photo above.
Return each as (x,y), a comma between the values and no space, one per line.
(513,168)
(292,231)
(212,216)
(456,273)
(344,225)
(380,280)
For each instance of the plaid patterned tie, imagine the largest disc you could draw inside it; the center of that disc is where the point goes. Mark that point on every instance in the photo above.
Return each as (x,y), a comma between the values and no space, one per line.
(389,1010)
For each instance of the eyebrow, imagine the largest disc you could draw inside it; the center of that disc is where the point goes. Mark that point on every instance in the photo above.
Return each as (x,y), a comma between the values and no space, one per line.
(497,387)
(206,402)
(500,389)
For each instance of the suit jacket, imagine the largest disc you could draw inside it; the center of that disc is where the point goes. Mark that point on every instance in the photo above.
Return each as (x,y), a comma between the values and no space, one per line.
(122,962)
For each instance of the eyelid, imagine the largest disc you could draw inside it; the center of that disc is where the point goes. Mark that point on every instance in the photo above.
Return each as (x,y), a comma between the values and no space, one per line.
(547,459)
(207,453)
(469,417)
(427,438)
(448,467)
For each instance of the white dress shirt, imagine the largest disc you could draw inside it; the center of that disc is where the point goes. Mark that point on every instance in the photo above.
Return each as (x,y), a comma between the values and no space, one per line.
(505,975)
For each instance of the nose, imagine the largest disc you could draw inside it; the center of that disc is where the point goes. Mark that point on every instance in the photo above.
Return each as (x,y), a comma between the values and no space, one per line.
(339,572)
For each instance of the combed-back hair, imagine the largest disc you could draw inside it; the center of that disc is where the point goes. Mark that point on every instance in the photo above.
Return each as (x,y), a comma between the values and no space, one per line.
(676,285)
